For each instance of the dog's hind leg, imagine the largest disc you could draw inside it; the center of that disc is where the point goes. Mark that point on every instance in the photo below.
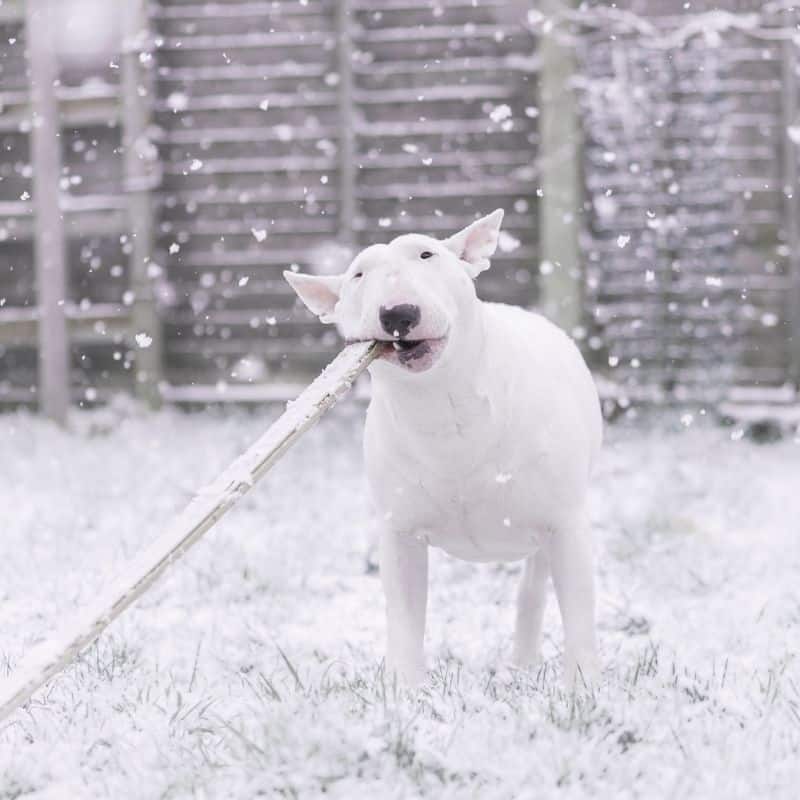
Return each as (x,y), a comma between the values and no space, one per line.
(531,601)
(571,562)
(404,573)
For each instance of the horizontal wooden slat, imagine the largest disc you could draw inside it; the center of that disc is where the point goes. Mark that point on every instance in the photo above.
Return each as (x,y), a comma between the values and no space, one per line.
(100,323)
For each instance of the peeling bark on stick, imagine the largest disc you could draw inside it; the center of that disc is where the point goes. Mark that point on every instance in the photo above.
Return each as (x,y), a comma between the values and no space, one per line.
(208,506)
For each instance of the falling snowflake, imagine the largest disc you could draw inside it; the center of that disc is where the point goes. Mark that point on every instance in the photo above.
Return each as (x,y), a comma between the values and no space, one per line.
(177,101)
(507,243)
(259,233)
(143,340)
(500,113)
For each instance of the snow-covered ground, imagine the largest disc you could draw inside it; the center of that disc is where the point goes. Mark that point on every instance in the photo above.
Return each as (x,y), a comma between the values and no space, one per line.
(254,667)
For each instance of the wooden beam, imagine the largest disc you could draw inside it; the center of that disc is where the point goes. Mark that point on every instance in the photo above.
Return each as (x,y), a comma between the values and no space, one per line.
(560,205)
(347,144)
(76,109)
(12,11)
(50,256)
(78,223)
(791,180)
(102,322)
(141,176)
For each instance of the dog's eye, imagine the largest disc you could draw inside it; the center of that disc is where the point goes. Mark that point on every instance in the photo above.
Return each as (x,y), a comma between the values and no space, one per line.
(426,254)
(358,275)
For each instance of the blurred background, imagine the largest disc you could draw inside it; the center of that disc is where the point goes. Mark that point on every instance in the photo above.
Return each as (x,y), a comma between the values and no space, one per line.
(161,163)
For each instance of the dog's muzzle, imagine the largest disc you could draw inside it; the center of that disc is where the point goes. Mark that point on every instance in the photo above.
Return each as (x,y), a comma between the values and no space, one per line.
(399,320)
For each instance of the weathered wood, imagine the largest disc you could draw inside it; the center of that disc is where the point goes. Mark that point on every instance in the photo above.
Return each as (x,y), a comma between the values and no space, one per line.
(100,322)
(50,256)
(97,105)
(12,10)
(206,509)
(560,179)
(347,146)
(141,173)
(791,184)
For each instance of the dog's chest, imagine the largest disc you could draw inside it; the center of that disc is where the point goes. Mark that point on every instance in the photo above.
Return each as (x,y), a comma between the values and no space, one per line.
(472,496)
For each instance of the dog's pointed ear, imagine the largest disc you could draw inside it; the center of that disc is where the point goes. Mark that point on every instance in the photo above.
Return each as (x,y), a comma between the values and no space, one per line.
(320,293)
(477,242)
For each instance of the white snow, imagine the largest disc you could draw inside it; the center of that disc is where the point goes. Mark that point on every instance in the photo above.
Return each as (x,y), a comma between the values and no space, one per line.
(500,113)
(177,101)
(253,667)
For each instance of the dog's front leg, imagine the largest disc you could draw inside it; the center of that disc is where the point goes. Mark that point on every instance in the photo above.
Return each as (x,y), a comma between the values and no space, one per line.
(404,573)
(571,562)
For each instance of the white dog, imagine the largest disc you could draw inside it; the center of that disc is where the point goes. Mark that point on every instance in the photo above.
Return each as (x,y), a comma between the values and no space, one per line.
(480,436)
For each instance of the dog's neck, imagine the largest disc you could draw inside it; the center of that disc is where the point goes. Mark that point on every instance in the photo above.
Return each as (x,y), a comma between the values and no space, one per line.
(453,397)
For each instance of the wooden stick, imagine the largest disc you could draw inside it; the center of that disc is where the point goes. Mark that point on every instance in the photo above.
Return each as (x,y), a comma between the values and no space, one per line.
(205,510)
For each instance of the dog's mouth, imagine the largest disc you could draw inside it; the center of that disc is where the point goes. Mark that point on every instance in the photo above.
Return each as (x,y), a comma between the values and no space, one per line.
(409,347)
(414,355)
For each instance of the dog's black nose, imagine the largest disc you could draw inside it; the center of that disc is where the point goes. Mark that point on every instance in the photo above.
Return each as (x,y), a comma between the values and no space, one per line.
(399,320)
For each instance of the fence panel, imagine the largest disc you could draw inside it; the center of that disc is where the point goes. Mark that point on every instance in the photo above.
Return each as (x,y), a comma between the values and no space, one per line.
(295,132)
(687,262)
(283,134)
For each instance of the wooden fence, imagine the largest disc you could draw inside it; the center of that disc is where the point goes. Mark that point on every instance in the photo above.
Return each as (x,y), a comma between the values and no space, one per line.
(232,139)
(256,135)
(693,252)
(368,124)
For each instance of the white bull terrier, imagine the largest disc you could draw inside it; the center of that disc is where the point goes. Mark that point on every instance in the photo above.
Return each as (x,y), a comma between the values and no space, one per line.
(480,436)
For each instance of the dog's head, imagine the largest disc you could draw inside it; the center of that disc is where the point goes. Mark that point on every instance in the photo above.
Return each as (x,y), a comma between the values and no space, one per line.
(409,293)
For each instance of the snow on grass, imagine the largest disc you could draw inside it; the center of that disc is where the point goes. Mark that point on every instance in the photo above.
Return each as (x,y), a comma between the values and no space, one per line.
(254,666)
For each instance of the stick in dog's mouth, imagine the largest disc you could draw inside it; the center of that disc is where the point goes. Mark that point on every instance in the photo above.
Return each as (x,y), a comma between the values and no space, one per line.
(407,344)
(415,354)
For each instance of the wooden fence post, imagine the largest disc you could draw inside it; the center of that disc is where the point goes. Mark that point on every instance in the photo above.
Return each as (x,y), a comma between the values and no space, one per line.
(49,252)
(347,145)
(141,173)
(560,170)
(791,180)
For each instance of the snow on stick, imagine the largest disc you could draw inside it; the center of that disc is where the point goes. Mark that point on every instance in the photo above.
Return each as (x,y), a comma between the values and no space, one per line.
(206,509)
